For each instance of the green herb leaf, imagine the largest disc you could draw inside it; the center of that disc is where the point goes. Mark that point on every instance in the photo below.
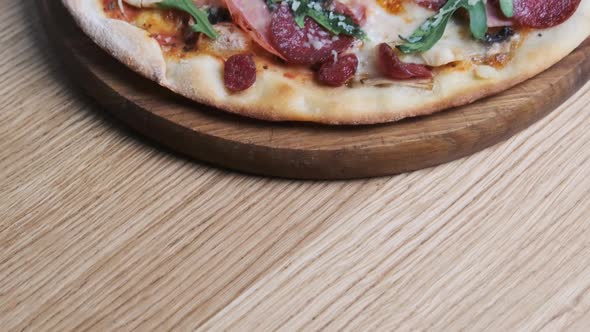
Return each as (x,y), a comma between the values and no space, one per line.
(201,17)
(507,7)
(478,21)
(432,30)
(333,22)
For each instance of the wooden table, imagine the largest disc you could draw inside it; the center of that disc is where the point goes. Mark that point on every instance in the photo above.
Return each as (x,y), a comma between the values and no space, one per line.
(102,230)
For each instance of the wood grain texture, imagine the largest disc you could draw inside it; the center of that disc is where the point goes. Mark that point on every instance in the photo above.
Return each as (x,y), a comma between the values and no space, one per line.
(307,151)
(101,231)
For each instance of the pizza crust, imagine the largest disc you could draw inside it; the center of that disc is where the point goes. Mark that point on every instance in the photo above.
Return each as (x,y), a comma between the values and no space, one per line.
(277,97)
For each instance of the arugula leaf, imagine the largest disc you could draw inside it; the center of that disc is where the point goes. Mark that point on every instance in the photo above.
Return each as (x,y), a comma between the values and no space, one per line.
(478,21)
(201,17)
(507,7)
(329,20)
(431,31)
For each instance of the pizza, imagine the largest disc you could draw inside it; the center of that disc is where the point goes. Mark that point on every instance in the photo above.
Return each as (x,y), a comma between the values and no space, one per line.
(335,61)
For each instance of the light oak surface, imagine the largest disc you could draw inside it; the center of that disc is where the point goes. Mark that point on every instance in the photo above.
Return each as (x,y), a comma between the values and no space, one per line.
(102,230)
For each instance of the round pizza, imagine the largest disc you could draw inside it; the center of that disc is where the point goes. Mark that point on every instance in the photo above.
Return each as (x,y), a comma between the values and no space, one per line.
(335,61)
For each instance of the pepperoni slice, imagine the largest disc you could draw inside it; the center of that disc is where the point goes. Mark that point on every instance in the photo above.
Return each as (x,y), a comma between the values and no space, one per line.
(337,73)
(307,46)
(239,73)
(431,4)
(392,67)
(541,14)
(253,17)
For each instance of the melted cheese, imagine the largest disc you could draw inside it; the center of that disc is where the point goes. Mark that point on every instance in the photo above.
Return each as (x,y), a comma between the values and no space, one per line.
(457,44)
(156,22)
(383,25)
(231,40)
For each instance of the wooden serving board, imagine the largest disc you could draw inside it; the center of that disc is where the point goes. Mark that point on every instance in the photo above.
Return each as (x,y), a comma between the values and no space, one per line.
(306,151)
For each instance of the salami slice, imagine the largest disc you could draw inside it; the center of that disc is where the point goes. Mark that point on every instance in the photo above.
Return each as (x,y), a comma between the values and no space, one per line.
(239,73)
(392,67)
(253,17)
(541,14)
(309,45)
(337,73)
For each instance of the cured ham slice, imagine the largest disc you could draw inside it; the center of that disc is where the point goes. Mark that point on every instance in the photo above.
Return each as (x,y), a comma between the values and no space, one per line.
(495,16)
(254,17)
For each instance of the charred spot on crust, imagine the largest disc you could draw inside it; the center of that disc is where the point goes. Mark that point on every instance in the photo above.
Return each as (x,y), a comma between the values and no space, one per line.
(499,36)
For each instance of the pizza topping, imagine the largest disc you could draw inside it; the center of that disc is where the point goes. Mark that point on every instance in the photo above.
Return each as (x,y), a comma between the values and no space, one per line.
(541,14)
(326,35)
(254,17)
(496,16)
(138,4)
(356,12)
(308,45)
(431,4)
(330,20)
(392,6)
(507,7)
(338,71)
(120,10)
(392,67)
(492,13)
(239,72)
(121,7)
(433,29)
(232,40)
(200,17)
(166,40)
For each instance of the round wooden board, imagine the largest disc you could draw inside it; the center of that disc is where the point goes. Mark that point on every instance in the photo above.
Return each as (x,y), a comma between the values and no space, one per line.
(307,151)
